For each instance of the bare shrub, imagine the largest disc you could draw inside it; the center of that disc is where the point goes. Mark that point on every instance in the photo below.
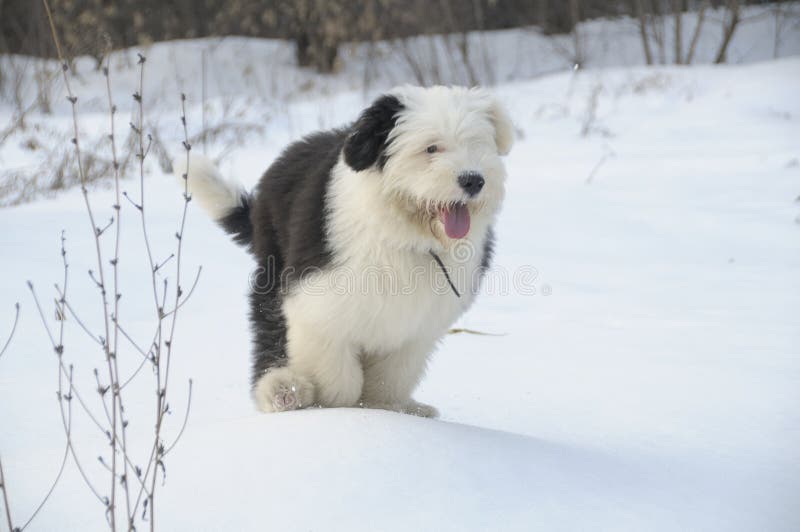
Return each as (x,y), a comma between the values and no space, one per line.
(130,495)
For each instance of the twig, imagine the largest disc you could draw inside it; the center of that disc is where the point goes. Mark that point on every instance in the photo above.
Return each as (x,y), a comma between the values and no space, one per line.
(164,263)
(169,343)
(608,154)
(115,272)
(13,329)
(44,320)
(5,498)
(67,446)
(145,356)
(75,316)
(133,342)
(61,363)
(160,390)
(188,294)
(472,331)
(100,269)
(185,421)
(67,420)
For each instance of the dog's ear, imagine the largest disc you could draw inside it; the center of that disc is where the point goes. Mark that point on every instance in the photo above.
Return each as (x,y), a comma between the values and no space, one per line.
(503,128)
(366,145)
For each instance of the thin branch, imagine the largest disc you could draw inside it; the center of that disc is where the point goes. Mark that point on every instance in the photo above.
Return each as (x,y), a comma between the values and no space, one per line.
(115,271)
(67,420)
(136,205)
(178,293)
(100,264)
(56,347)
(13,329)
(63,459)
(608,154)
(133,342)
(188,294)
(185,421)
(4,489)
(164,263)
(133,375)
(76,318)
(99,231)
(473,331)
(63,369)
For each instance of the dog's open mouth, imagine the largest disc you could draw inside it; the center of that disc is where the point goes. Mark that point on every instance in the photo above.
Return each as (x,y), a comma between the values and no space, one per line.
(455,218)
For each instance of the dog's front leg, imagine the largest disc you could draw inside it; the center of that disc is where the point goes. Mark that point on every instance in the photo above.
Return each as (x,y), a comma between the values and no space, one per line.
(331,364)
(390,379)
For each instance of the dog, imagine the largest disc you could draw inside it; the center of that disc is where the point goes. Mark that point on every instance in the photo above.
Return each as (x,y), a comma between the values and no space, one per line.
(353,230)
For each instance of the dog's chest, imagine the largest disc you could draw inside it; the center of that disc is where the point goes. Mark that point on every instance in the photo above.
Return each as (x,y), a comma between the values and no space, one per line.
(384,299)
(418,299)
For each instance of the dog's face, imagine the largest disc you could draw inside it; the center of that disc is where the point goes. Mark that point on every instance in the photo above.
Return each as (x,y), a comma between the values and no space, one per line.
(438,152)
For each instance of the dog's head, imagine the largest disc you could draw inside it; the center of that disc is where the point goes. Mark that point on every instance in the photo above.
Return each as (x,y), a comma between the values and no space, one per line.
(437,152)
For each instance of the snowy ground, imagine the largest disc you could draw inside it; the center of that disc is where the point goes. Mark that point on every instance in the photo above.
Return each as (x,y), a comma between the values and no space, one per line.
(648,378)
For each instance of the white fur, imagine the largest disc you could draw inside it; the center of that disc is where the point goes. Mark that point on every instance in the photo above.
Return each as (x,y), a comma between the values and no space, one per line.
(352,341)
(215,194)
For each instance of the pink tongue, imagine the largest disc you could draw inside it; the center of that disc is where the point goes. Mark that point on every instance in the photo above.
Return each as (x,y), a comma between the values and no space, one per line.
(456,221)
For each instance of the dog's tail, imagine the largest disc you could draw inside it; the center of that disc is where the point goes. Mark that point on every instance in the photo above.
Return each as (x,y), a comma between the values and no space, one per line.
(226,202)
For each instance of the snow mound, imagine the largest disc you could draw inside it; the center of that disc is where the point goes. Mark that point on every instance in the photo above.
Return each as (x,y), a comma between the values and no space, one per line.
(352,469)
(647,277)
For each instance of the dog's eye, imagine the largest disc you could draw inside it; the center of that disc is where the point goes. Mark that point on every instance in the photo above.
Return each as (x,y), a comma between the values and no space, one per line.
(433,148)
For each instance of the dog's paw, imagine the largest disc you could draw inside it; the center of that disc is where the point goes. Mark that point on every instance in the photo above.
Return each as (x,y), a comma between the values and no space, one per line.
(419,409)
(410,407)
(282,389)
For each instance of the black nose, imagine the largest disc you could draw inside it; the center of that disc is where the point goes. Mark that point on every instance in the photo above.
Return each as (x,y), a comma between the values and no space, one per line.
(471,182)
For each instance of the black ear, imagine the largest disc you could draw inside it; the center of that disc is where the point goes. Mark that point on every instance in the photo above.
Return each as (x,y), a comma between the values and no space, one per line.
(366,145)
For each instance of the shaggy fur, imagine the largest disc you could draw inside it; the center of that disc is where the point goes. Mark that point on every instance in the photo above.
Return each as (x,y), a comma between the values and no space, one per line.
(347,303)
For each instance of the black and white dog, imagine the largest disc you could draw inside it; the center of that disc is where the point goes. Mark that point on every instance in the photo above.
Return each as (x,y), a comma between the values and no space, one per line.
(351,229)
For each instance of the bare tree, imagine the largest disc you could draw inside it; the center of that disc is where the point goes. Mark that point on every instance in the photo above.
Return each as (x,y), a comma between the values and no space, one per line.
(733,18)
(542,13)
(658,24)
(785,16)
(574,14)
(677,10)
(638,6)
(701,15)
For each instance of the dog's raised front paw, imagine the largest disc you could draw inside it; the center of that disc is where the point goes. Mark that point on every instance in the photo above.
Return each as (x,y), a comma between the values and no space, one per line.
(282,389)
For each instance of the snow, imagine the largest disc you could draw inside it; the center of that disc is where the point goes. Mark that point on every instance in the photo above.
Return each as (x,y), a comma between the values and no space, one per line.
(645,287)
